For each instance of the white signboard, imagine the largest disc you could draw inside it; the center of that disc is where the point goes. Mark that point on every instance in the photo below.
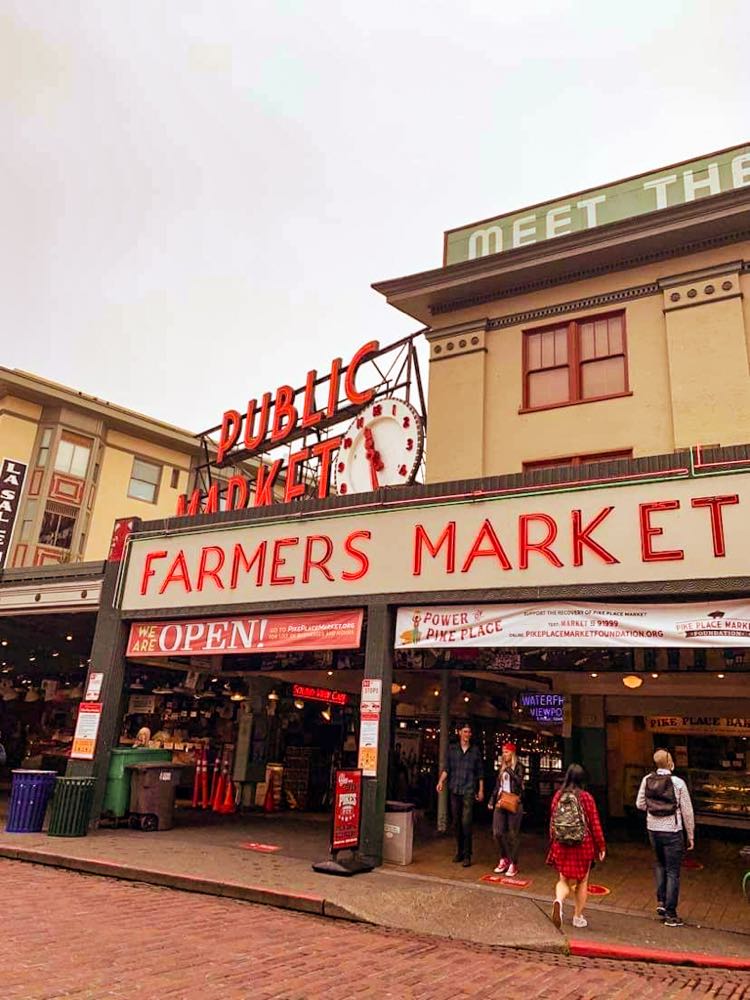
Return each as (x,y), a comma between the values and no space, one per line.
(94,686)
(711,623)
(369,726)
(86,731)
(677,529)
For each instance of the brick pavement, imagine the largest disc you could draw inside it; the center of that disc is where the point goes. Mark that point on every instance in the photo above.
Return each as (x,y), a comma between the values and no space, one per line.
(69,936)
(390,897)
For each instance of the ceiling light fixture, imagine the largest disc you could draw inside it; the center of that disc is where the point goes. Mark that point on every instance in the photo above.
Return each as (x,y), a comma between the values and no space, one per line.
(595,675)
(273,696)
(466,697)
(436,692)
(298,703)
(632,681)
(654,676)
(69,637)
(720,676)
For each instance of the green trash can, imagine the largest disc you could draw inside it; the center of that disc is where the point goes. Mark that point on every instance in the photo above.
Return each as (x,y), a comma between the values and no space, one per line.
(117,792)
(71,807)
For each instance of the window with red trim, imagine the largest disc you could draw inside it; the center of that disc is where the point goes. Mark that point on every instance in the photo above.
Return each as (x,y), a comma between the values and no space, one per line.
(557,463)
(575,361)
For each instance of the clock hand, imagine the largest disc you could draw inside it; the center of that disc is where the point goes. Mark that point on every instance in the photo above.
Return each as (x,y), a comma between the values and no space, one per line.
(373,456)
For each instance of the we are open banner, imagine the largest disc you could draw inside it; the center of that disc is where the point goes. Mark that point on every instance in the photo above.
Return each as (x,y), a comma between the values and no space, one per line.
(720,623)
(269,633)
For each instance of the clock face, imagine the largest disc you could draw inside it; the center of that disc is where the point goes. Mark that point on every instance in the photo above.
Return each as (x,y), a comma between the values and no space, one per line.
(381,447)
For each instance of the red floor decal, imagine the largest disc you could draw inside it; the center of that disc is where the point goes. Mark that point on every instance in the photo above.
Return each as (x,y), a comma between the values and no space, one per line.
(693,865)
(261,848)
(598,890)
(513,883)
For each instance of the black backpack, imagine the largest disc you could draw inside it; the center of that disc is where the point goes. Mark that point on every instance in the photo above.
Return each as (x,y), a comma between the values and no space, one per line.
(661,798)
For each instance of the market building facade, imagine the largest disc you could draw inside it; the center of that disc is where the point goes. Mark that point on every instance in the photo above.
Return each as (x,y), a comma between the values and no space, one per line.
(577,584)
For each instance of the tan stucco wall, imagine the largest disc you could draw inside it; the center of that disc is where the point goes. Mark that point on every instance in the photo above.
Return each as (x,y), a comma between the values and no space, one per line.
(688,374)
(18,428)
(112,500)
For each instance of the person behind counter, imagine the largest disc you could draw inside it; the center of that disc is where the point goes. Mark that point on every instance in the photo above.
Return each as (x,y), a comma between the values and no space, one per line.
(142,737)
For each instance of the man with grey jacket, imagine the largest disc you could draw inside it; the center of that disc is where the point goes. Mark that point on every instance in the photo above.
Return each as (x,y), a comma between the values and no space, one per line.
(669,819)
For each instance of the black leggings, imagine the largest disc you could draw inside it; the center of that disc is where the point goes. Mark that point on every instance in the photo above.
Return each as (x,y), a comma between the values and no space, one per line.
(506,829)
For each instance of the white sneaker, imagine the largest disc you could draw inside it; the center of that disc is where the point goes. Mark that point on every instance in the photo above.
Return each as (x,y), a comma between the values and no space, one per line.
(512,871)
(580,922)
(502,867)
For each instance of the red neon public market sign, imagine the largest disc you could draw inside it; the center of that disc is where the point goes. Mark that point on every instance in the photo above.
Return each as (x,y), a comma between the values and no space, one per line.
(265,425)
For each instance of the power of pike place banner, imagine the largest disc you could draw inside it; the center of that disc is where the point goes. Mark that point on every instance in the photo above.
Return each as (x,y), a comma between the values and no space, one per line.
(716,623)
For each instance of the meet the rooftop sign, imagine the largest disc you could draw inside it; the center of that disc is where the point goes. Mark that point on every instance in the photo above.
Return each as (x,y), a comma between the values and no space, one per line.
(710,175)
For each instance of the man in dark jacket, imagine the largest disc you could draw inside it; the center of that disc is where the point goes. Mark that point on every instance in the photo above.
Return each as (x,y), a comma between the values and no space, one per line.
(464,772)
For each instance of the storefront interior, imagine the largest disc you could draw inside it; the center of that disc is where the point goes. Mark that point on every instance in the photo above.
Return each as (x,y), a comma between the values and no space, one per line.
(43,663)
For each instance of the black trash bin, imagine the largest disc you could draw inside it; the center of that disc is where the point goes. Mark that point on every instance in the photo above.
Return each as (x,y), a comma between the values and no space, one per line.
(152,794)
(71,807)
(29,796)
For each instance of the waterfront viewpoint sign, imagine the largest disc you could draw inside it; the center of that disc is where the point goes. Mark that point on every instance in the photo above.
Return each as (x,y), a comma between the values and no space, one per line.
(679,529)
(664,188)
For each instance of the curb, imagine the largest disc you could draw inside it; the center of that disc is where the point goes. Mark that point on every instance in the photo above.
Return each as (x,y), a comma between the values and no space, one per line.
(283,899)
(628,953)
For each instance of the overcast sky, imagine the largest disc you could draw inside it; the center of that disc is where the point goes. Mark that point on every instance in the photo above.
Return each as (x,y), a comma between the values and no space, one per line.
(196,196)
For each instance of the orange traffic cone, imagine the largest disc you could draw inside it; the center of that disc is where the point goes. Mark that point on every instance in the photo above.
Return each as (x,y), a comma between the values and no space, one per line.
(214,778)
(205,801)
(228,805)
(220,791)
(197,779)
(269,805)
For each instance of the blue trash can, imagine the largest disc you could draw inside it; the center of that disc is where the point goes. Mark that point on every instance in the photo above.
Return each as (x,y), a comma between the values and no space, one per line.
(29,795)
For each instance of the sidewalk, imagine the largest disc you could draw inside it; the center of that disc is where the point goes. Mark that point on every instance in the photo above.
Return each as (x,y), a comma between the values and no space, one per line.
(211,858)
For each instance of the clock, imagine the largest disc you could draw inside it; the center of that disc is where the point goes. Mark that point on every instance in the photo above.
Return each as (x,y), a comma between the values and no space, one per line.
(381,447)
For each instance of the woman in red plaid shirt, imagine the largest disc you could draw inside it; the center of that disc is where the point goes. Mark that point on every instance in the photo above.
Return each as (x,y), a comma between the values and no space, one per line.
(574,861)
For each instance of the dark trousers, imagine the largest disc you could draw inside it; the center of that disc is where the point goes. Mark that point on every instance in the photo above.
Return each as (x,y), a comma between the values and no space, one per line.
(506,829)
(462,807)
(669,849)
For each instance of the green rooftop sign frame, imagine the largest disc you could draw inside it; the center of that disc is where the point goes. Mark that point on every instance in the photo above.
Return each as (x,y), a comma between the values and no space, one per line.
(704,177)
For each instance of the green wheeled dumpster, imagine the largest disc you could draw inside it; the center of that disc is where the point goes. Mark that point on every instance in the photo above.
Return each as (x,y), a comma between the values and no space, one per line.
(117,792)
(71,807)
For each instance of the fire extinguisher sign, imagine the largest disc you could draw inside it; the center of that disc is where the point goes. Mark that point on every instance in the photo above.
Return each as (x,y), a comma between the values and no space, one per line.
(347,809)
